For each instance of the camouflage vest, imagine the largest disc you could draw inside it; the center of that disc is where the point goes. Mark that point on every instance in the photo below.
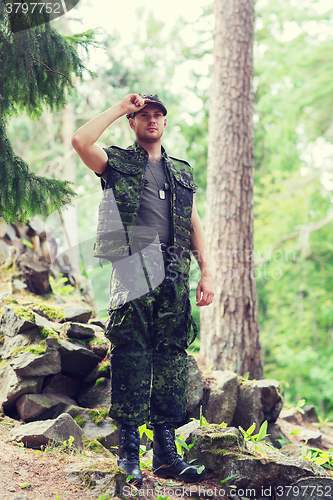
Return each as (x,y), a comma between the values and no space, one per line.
(120,203)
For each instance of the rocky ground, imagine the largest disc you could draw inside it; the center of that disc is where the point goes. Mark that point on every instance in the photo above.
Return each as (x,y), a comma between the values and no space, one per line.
(28,474)
(61,473)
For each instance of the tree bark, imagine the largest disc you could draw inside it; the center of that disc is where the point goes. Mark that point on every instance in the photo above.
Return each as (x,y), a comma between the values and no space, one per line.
(229,327)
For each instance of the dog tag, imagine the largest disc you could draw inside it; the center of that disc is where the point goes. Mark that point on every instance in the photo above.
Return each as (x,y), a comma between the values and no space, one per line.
(161,194)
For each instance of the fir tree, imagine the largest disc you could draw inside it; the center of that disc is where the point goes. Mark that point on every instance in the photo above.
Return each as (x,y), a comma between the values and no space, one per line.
(37,68)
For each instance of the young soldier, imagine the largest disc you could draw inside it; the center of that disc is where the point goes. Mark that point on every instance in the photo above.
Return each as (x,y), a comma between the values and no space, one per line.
(149,334)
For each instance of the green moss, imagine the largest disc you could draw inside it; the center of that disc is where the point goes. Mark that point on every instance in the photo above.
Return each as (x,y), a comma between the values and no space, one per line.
(4,362)
(100,381)
(46,332)
(54,313)
(95,341)
(37,349)
(80,420)
(104,367)
(95,446)
(98,416)
(9,301)
(23,313)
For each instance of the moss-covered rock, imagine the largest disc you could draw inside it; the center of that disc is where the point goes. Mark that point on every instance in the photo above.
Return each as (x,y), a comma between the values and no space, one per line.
(98,416)
(46,332)
(16,319)
(23,312)
(224,451)
(101,478)
(53,313)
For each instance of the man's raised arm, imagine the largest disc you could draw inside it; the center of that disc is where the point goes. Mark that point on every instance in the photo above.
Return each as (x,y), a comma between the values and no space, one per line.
(83,141)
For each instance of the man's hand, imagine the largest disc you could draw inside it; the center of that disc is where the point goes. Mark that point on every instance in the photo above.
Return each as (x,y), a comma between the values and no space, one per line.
(205,291)
(133,103)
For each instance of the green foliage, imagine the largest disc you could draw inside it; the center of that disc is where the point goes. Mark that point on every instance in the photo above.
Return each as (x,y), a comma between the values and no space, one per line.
(320,457)
(60,287)
(294,272)
(255,438)
(40,67)
(293,120)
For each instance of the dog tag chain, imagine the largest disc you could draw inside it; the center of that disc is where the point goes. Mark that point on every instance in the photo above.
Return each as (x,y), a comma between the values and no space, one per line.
(161,191)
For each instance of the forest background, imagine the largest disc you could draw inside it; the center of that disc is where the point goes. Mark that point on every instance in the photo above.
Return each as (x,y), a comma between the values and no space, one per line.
(293,189)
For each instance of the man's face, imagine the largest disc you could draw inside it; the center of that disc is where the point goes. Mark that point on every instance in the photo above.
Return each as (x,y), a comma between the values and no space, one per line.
(149,123)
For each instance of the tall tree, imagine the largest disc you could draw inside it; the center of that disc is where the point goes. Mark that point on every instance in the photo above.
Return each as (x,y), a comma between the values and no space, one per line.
(37,67)
(229,328)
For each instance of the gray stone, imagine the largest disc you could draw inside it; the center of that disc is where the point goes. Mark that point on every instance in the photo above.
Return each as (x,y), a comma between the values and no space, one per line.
(97,396)
(310,413)
(35,273)
(31,365)
(276,436)
(36,226)
(32,407)
(100,345)
(10,232)
(106,431)
(308,488)
(97,326)
(258,401)
(185,430)
(224,451)
(12,386)
(41,321)
(292,450)
(78,331)
(77,359)
(4,252)
(312,438)
(271,396)
(62,384)
(101,370)
(222,400)
(11,344)
(79,314)
(37,434)
(19,284)
(11,322)
(104,478)
(195,389)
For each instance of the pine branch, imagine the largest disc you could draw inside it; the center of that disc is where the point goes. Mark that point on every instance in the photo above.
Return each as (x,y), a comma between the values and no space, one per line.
(49,69)
(302,233)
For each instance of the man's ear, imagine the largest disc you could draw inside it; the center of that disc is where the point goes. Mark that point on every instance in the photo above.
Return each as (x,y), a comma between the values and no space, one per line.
(131,123)
(165,122)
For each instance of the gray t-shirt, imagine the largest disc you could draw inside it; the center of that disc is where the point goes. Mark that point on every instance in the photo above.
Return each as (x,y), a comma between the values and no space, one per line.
(155,212)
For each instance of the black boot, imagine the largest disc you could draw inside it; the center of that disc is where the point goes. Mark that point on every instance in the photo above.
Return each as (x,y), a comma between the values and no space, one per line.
(166,461)
(129,445)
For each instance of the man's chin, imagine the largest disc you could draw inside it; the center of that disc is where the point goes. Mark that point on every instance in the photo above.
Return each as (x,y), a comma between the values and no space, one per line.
(150,137)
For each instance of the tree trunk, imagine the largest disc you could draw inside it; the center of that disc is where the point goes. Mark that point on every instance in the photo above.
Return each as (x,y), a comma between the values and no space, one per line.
(229,327)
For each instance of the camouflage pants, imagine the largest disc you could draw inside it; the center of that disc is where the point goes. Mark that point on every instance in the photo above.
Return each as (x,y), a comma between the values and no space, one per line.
(149,366)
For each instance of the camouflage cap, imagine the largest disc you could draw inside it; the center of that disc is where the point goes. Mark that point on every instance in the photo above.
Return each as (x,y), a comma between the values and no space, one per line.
(154,100)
